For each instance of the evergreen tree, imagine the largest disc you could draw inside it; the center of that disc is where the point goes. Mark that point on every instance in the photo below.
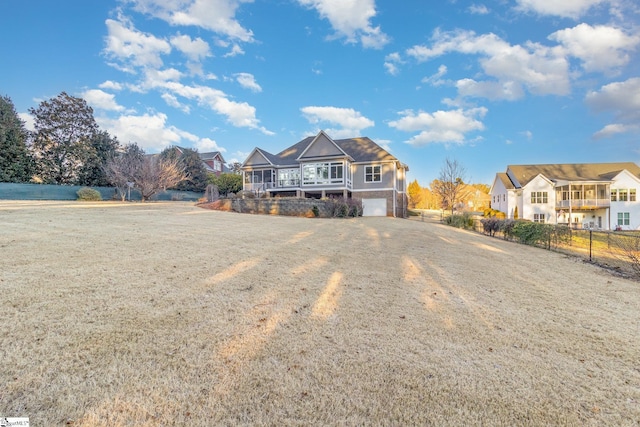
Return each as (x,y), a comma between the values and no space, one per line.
(16,163)
(191,164)
(102,148)
(65,127)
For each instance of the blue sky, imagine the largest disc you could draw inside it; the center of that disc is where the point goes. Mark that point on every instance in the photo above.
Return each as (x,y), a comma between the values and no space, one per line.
(488,83)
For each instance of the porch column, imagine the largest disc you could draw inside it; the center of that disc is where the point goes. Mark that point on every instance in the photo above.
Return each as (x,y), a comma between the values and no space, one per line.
(570,197)
(344,194)
(323,194)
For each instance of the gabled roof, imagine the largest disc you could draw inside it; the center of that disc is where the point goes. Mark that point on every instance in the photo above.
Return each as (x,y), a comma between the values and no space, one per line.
(504,178)
(211,155)
(324,142)
(364,149)
(359,150)
(523,174)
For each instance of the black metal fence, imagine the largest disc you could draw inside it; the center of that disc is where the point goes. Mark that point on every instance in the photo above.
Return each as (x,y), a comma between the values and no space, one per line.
(617,250)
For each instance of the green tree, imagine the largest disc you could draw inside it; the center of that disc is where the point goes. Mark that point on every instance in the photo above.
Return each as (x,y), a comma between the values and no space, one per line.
(191,163)
(64,129)
(16,163)
(227,182)
(415,194)
(102,148)
(234,167)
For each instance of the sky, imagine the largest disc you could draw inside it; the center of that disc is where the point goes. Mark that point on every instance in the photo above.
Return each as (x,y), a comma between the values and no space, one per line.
(487,83)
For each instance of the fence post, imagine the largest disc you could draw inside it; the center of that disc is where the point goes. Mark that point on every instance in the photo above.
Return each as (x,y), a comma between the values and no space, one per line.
(590,243)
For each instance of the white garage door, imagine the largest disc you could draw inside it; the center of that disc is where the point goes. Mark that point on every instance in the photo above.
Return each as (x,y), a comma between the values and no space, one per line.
(374,207)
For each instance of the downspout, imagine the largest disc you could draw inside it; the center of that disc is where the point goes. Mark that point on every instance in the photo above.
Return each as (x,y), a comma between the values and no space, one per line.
(395,189)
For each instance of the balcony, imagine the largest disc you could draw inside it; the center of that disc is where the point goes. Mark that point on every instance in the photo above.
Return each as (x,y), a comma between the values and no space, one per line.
(584,204)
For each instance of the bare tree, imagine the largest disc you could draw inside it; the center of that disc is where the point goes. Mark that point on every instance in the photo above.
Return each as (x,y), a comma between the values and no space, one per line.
(450,184)
(156,174)
(122,168)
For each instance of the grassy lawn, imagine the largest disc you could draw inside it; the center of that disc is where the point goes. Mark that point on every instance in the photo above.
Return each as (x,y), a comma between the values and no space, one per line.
(168,314)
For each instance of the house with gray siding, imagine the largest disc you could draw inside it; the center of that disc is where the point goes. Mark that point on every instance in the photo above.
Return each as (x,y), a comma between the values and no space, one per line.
(319,167)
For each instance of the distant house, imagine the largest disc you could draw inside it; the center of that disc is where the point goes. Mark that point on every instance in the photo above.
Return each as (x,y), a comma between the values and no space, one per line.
(319,166)
(212,161)
(582,195)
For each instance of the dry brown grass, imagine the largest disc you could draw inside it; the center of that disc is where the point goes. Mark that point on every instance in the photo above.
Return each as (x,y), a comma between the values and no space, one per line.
(168,314)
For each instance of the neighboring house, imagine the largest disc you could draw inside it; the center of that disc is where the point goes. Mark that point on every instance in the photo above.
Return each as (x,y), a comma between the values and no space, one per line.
(319,167)
(213,161)
(583,195)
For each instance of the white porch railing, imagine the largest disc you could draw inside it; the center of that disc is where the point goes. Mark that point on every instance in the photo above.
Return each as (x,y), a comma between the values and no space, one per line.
(584,203)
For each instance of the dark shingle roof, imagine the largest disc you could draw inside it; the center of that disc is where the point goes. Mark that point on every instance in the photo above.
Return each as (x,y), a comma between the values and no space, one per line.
(361,149)
(572,171)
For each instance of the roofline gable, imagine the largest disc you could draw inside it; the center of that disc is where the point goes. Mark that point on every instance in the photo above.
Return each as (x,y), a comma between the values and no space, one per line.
(259,151)
(322,133)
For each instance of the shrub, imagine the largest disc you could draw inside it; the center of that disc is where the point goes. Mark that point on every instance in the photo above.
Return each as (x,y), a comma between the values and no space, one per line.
(339,207)
(315,211)
(494,213)
(491,225)
(464,220)
(532,233)
(89,194)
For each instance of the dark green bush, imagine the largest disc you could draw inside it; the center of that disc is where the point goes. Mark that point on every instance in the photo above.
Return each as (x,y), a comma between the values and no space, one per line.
(89,194)
(464,220)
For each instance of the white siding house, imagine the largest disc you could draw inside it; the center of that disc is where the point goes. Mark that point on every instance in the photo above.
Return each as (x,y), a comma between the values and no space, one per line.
(583,195)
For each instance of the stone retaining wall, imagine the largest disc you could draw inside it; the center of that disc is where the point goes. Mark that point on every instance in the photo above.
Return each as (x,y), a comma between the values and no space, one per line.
(288,206)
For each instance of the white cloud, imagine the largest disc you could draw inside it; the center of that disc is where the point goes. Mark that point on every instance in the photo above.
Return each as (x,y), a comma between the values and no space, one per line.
(110,85)
(239,114)
(351,122)
(539,69)
(195,49)
(600,48)
(133,48)
(205,145)
(391,62)
(102,100)
(614,129)
(527,134)
(150,132)
(507,90)
(172,101)
(248,81)
(235,51)
(214,15)
(563,8)
(351,19)
(436,78)
(621,97)
(478,9)
(29,121)
(441,126)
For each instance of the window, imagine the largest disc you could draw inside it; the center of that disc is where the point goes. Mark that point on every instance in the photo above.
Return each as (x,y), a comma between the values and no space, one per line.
(504,197)
(623,218)
(622,195)
(538,218)
(539,197)
(614,195)
(632,195)
(323,173)
(217,165)
(373,173)
(288,177)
